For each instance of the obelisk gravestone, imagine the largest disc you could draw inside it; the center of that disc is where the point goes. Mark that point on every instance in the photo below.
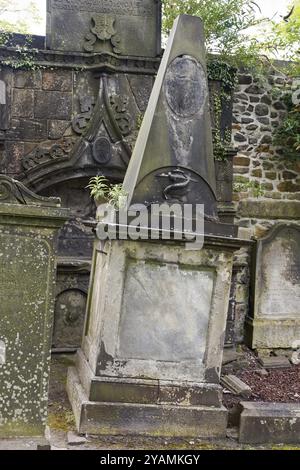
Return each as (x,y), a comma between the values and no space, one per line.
(152,349)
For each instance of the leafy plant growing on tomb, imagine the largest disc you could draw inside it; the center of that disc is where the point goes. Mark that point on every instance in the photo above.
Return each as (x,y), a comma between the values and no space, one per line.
(101,190)
(117,196)
(98,186)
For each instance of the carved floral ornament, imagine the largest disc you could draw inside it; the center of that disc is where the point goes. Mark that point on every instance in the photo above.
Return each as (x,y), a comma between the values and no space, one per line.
(103,28)
(42,155)
(119,108)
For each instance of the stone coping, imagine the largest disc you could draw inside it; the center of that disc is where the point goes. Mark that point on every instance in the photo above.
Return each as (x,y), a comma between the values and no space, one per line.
(269,209)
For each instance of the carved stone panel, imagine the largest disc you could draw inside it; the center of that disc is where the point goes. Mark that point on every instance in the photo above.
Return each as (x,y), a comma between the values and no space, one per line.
(122,27)
(71,297)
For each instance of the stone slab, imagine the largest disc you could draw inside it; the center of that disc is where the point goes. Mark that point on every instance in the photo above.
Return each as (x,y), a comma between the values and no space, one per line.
(277,423)
(122,27)
(148,420)
(171,327)
(274,362)
(236,385)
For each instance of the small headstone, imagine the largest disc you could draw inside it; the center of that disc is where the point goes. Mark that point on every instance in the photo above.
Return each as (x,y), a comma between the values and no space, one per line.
(121,27)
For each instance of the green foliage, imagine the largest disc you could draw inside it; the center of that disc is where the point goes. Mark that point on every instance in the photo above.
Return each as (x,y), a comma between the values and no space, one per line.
(227,76)
(288,133)
(22,22)
(253,186)
(100,189)
(283,39)
(226,24)
(98,186)
(223,72)
(117,197)
(24,56)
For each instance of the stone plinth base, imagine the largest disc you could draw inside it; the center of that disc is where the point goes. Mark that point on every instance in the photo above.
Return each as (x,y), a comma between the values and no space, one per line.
(271,334)
(108,418)
(151,354)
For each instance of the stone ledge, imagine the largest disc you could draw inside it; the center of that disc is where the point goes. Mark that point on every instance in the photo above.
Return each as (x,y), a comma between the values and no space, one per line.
(269,209)
(277,423)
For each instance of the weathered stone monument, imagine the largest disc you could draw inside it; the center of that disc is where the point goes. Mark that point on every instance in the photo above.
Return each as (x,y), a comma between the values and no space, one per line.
(28,228)
(275,319)
(122,27)
(152,349)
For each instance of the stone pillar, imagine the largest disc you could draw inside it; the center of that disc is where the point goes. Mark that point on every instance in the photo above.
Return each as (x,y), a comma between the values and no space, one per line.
(28,227)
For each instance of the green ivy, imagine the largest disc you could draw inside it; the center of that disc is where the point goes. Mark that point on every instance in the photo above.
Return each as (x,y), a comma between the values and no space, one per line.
(287,134)
(227,76)
(253,186)
(24,56)
(223,72)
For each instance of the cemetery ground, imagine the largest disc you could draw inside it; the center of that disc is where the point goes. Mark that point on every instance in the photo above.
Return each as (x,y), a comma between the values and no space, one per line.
(278,385)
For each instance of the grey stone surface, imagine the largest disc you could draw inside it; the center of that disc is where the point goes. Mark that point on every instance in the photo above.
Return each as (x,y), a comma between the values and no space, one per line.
(28,226)
(262,423)
(165,327)
(53,105)
(75,439)
(130,27)
(275,317)
(107,358)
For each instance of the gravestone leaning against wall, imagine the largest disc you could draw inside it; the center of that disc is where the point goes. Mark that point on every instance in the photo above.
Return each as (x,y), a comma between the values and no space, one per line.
(275,315)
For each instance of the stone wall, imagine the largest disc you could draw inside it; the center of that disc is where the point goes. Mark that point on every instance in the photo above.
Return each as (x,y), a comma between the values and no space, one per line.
(267,183)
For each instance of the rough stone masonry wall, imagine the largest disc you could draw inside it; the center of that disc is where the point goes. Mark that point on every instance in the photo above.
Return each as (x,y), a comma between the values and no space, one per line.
(257,113)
